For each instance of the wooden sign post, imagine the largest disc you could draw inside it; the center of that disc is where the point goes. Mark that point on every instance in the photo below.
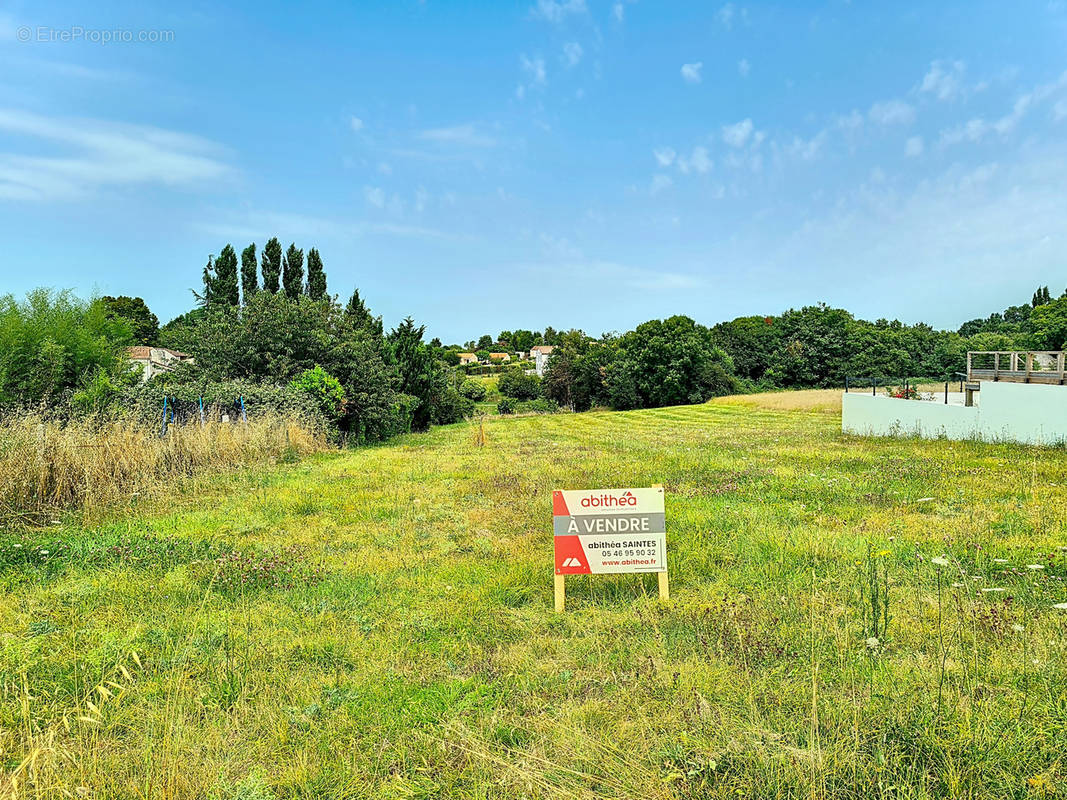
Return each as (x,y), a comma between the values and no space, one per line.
(609,531)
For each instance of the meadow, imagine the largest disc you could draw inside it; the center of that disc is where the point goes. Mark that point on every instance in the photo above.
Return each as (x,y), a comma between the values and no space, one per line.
(849,618)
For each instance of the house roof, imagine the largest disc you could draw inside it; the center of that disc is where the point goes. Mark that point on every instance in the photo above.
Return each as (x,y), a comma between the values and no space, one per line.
(467,355)
(499,355)
(542,348)
(143,351)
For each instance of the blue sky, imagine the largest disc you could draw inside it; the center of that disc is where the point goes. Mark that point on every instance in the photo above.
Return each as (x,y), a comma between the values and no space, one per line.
(488,166)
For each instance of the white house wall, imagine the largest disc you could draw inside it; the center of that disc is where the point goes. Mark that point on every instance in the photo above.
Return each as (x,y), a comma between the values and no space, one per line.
(1015,412)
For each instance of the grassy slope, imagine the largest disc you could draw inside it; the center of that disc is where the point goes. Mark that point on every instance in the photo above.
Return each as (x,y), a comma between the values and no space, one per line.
(427,662)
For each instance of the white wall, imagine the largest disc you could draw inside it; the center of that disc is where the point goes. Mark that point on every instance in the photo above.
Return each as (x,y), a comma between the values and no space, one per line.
(1015,412)
(1024,412)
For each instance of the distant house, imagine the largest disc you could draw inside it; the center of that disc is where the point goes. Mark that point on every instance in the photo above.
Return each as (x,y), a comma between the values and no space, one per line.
(521,355)
(156,360)
(467,358)
(499,357)
(541,354)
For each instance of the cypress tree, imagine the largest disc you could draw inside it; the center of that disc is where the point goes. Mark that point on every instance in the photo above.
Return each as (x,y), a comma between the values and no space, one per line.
(249,276)
(211,282)
(360,315)
(271,265)
(226,290)
(293,272)
(316,276)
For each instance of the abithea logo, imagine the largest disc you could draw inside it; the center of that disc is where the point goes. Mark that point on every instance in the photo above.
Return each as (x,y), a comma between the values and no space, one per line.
(609,501)
(571,562)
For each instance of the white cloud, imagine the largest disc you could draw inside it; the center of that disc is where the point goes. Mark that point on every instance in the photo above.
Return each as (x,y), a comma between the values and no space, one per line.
(892,112)
(972,131)
(467,135)
(557,10)
(725,15)
(659,183)
(534,68)
(385,168)
(664,156)
(374,195)
(618,12)
(572,54)
(421,198)
(698,161)
(944,79)
(807,149)
(914,146)
(691,72)
(356,123)
(99,154)
(736,135)
(743,67)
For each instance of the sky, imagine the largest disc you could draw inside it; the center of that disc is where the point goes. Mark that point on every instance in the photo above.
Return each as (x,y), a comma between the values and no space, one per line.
(487,166)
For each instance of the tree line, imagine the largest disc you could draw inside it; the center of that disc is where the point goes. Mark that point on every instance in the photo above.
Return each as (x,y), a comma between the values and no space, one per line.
(267,320)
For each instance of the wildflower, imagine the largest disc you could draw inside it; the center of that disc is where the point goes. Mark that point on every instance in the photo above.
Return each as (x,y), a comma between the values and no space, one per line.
(940,561)
(924,500)
(1000,561)
(1018,628)
(1061,606)
(43,552)
(1035,566)
(957,585)
(872,643)
(993,589)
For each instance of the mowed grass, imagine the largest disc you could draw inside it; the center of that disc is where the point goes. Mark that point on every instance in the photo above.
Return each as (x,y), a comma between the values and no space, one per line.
(387,629)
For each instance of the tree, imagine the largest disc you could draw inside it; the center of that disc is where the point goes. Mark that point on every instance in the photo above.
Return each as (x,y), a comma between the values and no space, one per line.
(669,362)
(1049,322)
(144,325)
(273,340)
(316,288)
(223,280)
(752,343)
(422,377)
(575,375)
(523,340)
(485,342)
(361,317)
(249,277)
(1041,297)
(271,265)
(293,272)
(416,369)
(514,382)
(52,344)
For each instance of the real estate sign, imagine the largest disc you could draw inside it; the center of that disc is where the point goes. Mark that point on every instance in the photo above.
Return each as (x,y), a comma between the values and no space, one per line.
(600,531)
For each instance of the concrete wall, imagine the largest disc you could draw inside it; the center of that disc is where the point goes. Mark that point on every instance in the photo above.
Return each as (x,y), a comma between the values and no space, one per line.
(1014,412)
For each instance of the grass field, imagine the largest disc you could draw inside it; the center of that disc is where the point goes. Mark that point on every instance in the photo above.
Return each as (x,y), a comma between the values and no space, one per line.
(849,618)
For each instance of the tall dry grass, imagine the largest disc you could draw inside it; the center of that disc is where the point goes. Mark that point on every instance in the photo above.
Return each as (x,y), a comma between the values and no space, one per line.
(47,466)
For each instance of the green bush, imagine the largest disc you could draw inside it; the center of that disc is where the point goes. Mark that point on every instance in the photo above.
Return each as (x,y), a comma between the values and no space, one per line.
(450,406)
(53,344)
(506,406)
(517,384)
(145,400)
(541,405)
(324,389)
(473,390)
